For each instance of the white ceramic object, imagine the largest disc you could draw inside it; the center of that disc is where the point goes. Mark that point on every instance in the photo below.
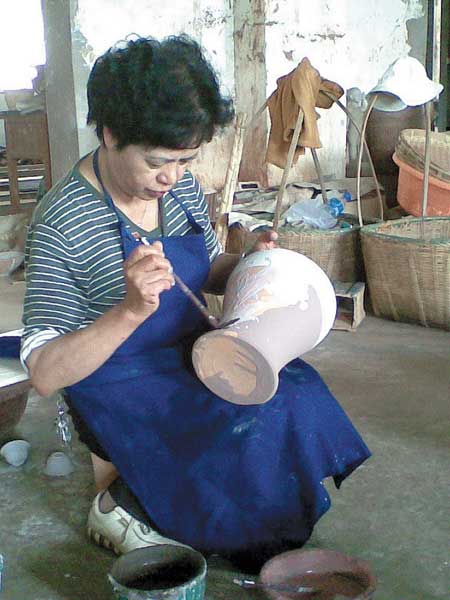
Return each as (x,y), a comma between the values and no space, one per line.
(58,465)
(16,452)
(283,305)
(10,261)
(405,83)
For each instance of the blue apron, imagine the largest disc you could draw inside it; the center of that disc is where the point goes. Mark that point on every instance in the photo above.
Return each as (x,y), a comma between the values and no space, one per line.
(224,478)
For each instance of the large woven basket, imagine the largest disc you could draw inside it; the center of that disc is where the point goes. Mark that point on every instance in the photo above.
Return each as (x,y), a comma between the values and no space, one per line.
(336,251)
(409,275)
(410,148)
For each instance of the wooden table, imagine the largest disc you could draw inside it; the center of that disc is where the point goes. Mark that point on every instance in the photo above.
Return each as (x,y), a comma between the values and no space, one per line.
(14,381)
(26,138)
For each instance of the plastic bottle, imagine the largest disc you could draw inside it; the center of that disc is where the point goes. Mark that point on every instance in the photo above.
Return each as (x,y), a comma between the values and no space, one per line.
(336,203)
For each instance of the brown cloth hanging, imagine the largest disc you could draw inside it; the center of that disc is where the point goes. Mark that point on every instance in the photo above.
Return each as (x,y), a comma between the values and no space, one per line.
(301,88)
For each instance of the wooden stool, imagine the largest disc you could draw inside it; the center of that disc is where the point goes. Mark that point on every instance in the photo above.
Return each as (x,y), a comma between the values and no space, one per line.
(350,305)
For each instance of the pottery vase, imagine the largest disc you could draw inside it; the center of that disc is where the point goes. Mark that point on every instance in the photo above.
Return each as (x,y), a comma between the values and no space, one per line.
(278,304)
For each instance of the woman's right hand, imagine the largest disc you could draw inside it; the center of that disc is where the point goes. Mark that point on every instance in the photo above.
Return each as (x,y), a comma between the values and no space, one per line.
(147,274)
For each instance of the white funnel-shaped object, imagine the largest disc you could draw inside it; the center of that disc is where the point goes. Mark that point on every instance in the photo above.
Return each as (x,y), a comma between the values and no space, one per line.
(405,83)
(278,305)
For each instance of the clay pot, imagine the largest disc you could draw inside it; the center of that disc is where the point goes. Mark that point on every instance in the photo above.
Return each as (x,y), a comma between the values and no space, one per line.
(383,130)
(327,572)
(278,304)
(13,400)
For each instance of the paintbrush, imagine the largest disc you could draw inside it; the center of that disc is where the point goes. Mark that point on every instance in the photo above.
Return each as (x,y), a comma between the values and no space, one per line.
(212,320)
(276,587)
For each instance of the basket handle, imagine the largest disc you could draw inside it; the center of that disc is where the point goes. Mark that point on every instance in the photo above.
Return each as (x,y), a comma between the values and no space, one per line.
(287,168)
(426,174)
(362,144)
(366,148)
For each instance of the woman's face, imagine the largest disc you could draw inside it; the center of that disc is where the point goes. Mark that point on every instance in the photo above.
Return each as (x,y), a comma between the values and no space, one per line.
(147,173)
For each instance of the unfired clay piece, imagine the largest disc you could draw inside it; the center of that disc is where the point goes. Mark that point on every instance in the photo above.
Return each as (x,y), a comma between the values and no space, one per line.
(16,452)
(284,305)
(58,465)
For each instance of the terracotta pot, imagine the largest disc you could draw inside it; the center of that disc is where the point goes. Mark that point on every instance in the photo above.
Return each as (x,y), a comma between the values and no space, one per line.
(383,129)
(327,572)
(278,304)
(410,192)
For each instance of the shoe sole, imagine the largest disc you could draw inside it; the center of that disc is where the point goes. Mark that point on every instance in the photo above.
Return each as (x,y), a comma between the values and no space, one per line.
(103,541)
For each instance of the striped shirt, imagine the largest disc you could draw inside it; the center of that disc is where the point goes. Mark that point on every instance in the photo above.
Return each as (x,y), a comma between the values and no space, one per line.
(74,260)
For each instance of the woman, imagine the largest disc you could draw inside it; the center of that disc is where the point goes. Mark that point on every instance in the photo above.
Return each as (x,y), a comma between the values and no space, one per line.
(104,321)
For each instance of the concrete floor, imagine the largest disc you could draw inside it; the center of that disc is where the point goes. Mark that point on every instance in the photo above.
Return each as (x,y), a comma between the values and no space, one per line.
(394,382)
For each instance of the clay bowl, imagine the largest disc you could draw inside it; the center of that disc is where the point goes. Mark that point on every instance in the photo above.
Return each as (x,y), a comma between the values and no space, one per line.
(331,574)
(13,400)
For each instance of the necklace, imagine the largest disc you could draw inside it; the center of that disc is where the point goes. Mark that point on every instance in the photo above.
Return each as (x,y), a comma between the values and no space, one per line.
(144,214)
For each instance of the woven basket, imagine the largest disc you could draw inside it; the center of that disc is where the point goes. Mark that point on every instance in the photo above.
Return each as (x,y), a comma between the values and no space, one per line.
(337,252)
(409,277)
(410,148)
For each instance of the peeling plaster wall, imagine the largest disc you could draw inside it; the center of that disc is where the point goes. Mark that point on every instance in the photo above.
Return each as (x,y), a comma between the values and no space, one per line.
(210,22)
(350,42)
(251,43)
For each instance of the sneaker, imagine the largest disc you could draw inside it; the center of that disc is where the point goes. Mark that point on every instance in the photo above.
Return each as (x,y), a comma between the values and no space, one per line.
(117,530)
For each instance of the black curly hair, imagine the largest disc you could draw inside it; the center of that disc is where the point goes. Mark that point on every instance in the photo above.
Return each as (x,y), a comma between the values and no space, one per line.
(157,93)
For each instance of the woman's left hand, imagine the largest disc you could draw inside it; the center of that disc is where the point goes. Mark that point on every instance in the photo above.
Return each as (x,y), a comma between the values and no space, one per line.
(266,241)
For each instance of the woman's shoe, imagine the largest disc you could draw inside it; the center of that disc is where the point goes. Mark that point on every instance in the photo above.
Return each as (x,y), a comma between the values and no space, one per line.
(117,530)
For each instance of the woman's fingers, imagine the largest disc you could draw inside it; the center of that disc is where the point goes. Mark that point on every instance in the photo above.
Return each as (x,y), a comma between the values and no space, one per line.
(147,278)
(266,241)
(141,251)
(146,260)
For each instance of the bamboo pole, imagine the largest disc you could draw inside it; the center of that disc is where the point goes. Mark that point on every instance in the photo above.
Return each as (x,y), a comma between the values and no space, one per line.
(437,45)
(319,175)
(231,179)
(360,153)
(287,168)
(366,148)
(426,173)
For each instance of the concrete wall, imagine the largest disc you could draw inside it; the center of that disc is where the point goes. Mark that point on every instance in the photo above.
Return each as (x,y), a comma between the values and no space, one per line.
(251,43)
(98,25)
(350,42)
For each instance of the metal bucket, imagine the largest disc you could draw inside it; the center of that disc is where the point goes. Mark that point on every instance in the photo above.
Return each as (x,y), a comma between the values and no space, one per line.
(160,572)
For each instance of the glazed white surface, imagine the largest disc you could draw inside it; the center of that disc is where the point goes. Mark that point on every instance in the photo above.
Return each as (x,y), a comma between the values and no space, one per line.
(277,278)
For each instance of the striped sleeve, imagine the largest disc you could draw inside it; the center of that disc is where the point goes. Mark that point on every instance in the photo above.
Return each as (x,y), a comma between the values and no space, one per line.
(55,302)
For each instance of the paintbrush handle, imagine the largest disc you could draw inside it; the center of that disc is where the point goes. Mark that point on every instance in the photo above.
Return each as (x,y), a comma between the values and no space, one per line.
(212,320)
(201,307)
(276,587)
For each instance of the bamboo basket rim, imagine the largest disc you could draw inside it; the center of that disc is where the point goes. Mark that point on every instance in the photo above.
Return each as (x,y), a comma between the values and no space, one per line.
(335,232)
(408,149)
(373,230)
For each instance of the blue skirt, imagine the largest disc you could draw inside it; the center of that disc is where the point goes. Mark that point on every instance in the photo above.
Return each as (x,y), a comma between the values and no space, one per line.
(223,478)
